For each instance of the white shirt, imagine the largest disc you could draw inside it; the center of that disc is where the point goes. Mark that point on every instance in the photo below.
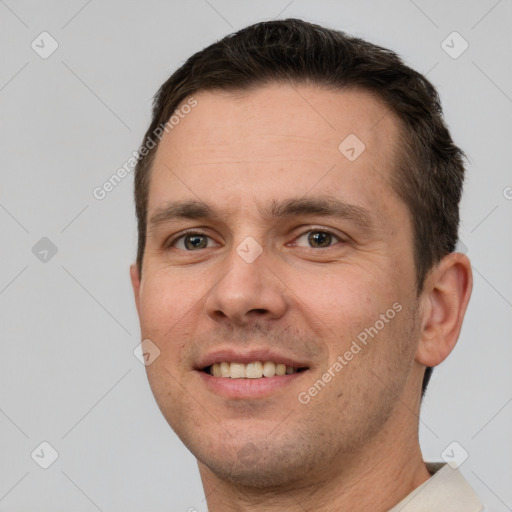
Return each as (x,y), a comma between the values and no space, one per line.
(445,491)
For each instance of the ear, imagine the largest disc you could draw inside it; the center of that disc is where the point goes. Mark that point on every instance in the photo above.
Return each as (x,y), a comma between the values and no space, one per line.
(444,300)
(135,277)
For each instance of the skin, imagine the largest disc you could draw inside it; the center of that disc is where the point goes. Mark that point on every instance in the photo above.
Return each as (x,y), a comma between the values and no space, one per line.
(355,445)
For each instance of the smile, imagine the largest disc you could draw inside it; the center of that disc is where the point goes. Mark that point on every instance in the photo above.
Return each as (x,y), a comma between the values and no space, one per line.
(253,370)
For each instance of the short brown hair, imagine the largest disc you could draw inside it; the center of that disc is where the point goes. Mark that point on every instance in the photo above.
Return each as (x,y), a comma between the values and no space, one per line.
(430,172)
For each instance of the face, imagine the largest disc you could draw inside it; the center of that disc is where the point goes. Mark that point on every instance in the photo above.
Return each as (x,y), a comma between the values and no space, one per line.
(268,242)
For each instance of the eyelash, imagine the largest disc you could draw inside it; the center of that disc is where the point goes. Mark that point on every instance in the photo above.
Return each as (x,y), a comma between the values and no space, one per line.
(194,232)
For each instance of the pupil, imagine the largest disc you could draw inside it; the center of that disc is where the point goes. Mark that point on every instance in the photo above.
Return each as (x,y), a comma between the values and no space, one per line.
(320,239)
(195,241)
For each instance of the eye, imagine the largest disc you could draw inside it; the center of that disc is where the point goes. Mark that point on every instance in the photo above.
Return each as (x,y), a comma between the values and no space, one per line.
(190,241)
(317,239)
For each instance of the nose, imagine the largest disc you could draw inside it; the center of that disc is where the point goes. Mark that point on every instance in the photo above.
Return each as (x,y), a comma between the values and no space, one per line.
(248,291)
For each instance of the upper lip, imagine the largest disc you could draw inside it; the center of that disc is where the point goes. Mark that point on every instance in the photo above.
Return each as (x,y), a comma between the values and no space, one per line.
(249,356)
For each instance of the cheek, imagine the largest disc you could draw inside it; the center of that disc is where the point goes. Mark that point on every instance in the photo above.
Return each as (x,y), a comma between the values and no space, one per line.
(348,304)
(346,298)
(163,311)
(166,308)
(165,300)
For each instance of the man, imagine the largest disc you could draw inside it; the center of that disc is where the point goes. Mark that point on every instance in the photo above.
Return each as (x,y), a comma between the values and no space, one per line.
(296,272)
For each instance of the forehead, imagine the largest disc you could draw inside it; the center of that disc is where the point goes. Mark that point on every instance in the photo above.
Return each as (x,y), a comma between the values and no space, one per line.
(241,147)
(236,121)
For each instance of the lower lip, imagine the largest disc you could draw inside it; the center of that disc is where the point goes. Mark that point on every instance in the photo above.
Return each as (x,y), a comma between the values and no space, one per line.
(248,388)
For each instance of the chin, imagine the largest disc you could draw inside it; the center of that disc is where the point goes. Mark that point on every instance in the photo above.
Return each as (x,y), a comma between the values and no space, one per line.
(257,475)
(263,465)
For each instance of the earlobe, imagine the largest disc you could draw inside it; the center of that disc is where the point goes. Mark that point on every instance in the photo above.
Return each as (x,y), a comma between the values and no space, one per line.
(135,278)
(444,301)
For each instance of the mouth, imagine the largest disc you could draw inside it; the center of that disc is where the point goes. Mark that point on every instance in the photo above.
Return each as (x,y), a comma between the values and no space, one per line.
(251,374)
(252,370)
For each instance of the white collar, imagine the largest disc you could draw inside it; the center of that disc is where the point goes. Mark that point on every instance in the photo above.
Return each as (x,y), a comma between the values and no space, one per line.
(445,491)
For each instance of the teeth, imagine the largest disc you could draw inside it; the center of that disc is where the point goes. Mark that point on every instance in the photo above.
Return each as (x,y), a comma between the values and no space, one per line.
(255,370)
(269,369)
(280,369)
(215,370)
(224,369)
(237,371)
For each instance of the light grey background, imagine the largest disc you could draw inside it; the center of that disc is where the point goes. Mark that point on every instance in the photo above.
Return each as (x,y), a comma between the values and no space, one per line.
(68,375)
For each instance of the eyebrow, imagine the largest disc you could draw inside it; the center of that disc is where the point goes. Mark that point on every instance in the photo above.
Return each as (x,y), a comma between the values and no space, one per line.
(324,206)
